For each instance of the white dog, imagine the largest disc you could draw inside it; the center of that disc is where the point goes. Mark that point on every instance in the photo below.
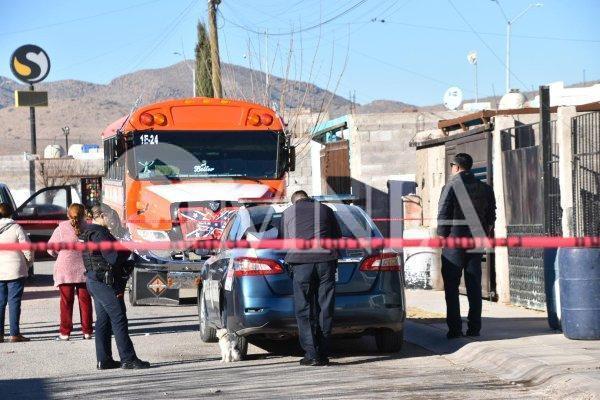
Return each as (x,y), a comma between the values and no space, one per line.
(228,344)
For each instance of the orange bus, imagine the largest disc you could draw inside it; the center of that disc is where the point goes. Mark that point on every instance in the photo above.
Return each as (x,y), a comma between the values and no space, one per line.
(177,170)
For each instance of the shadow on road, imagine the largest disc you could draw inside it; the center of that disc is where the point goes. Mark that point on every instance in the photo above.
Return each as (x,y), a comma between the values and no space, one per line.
(35,389)
(498,328)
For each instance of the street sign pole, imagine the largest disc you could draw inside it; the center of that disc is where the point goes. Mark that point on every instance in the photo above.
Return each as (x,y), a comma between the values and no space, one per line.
(30,64)
(33,146)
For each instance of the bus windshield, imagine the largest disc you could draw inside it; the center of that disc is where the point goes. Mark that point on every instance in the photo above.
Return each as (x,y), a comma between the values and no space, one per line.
(197,154)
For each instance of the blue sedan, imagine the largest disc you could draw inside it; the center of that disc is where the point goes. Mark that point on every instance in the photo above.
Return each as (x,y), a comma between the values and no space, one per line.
(249,291)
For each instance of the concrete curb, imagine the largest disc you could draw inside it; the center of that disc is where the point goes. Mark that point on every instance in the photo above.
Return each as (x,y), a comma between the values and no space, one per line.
(508,365)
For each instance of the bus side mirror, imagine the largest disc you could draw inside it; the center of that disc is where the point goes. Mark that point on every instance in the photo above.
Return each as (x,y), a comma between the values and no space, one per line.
(292,158)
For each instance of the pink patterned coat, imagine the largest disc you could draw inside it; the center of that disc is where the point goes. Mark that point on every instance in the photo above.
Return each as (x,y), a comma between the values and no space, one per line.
(69,264)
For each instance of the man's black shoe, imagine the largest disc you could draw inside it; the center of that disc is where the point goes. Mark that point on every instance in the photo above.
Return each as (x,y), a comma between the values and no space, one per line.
(453,335)
(109,364)
(472,333)
(312,362)
(323,362)
(135,364)
(307,361)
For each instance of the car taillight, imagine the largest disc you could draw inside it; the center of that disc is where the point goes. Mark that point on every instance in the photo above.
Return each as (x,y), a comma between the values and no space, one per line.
(381,262)
(251,266)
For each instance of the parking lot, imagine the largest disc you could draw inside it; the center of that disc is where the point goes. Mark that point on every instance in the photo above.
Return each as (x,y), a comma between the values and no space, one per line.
(184,367)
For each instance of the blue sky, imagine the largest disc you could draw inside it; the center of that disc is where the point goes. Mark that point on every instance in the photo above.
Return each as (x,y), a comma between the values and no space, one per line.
(414,56)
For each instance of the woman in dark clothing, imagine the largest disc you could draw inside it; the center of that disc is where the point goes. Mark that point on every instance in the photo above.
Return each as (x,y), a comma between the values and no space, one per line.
(106,280)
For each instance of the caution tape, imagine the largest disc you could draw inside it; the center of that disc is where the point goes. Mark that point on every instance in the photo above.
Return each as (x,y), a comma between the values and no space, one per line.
(288,244)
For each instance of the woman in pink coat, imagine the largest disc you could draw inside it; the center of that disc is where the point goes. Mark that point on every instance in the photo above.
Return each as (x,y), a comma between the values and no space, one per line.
(69,275)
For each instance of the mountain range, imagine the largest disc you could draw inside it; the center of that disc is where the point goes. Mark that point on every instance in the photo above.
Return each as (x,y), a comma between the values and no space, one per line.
(87,108)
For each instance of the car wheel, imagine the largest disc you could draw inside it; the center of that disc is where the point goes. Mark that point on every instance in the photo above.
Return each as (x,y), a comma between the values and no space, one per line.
(242,341)
(207,334)
(389,341)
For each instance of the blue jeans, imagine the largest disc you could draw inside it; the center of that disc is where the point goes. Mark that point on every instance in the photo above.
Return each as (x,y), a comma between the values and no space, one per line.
(111,318)
(11,293)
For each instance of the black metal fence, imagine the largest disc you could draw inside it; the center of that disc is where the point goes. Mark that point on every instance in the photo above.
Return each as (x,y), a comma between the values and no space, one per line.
(532,199)
(585,131)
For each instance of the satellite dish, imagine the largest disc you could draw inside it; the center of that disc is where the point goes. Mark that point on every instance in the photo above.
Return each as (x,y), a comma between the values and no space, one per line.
(472,57)
(452,98)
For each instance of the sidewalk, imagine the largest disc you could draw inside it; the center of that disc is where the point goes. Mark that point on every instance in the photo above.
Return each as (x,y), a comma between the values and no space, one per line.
(516,344)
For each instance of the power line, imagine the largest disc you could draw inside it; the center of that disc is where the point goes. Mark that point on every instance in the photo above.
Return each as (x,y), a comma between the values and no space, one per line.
(78,19)
(484,42)
(448,29)
(165,34)
(293,32)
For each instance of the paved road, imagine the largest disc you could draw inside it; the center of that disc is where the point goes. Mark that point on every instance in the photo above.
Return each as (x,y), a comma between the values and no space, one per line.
(184,367)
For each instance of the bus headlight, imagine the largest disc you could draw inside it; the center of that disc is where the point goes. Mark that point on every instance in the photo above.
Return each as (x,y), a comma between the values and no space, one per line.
(153,236)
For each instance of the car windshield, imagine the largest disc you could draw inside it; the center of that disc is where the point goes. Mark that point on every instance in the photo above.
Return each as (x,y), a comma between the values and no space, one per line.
(353,223)
(195,154)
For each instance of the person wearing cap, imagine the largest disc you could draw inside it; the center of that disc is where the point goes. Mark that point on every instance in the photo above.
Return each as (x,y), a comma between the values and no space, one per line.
(467,208)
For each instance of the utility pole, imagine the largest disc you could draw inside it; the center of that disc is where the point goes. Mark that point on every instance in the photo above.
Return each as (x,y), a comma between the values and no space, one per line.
(214,47)
(267,97)
(509,24)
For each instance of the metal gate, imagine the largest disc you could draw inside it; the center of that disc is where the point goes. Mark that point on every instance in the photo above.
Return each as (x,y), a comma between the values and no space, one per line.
(335,168)
(585,131)
(532,200)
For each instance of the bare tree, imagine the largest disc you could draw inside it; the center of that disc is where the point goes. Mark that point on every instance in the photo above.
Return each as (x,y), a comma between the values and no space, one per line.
(65,171)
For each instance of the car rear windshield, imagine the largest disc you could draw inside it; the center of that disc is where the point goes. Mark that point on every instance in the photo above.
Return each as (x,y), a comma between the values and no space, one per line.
(353,223)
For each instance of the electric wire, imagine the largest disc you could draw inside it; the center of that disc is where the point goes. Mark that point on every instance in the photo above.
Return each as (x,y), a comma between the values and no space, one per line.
(293,32)
(485,43)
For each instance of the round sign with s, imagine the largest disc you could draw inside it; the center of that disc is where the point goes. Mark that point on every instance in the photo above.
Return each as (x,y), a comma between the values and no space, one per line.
(30,64)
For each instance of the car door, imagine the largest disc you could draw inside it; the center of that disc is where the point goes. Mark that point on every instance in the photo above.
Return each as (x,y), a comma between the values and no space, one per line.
(215,273)
(42,212)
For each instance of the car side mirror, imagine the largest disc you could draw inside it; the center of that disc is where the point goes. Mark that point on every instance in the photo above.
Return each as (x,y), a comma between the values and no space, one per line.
(29,211)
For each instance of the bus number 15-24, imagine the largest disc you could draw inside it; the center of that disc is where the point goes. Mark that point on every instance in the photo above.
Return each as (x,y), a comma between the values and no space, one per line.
(149,139)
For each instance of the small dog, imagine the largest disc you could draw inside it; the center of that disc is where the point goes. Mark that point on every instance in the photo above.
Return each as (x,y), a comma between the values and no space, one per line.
(228,344)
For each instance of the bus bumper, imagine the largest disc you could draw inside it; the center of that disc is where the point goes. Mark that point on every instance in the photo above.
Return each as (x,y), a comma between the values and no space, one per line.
(163,284)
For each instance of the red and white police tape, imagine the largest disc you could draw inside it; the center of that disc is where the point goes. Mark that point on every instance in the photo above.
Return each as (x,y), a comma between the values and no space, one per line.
(344,243)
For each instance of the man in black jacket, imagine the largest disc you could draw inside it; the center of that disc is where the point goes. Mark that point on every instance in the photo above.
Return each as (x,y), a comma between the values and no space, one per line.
(313,274)
(467,208)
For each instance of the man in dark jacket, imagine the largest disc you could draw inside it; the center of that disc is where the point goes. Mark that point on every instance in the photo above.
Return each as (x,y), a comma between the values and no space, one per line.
(313,273)
(467,208)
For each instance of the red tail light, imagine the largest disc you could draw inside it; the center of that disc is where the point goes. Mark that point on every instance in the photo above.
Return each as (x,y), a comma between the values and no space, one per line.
(251,266)
(381,262)
(267,119)
(147,119)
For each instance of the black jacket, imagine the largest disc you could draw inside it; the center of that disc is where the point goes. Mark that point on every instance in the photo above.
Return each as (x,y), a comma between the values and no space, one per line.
(115,260)
(309,219)
(466,206)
